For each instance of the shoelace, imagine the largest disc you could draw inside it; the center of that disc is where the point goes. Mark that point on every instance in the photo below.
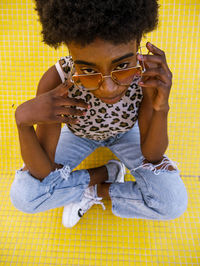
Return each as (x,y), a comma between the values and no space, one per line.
(94,200)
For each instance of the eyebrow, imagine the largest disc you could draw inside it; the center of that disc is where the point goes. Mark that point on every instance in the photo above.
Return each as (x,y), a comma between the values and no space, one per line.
(82,62)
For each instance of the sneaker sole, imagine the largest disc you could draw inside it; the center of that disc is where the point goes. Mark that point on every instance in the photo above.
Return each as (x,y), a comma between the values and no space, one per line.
(66,218)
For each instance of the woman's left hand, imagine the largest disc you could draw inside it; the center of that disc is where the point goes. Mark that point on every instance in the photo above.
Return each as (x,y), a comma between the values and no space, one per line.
(157,79)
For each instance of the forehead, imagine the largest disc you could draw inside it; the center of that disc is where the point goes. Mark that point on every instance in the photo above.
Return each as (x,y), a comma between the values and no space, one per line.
(101,50)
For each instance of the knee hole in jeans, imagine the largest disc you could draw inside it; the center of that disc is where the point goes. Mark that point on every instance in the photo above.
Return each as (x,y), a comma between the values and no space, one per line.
(160,164)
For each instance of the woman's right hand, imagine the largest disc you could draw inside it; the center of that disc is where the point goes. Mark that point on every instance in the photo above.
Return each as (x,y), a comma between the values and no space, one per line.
(51,107)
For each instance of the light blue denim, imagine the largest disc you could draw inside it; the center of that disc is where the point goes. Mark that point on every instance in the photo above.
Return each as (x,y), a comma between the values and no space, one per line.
(155,195)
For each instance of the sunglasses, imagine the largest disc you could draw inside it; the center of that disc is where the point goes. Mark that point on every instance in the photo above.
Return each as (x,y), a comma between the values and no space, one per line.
(122,77)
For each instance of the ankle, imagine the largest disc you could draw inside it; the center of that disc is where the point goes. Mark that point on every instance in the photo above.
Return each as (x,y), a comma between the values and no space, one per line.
(98,175)
(103,190)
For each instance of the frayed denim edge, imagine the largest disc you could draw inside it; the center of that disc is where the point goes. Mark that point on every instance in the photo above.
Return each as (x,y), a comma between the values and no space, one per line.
(164,168)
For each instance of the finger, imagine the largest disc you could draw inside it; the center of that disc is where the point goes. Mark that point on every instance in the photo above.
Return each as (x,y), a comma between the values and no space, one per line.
(147,65)
(67,119)
(70,111)
(152,60)
(154,49)
(153,83)
(156,72)
(156,59)
(62,89)
(72,102)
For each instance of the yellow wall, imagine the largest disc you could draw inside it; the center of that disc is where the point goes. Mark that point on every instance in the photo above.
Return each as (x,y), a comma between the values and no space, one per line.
(100,238)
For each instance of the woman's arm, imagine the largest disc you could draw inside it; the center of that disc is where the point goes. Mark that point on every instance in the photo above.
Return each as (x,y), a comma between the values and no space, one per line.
(156,85)
(33,155)
(48,134)
(38,148)
(153,132)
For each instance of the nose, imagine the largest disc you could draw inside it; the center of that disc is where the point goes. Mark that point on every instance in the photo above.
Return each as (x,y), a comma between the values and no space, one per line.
(108,85)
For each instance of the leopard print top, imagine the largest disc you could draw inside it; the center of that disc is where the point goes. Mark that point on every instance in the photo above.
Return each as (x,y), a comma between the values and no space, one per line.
(102,120)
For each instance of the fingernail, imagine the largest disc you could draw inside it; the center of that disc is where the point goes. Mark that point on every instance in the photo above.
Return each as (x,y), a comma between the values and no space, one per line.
(150,44)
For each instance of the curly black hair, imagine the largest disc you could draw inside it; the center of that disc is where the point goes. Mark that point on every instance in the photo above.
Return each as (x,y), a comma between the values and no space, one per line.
(82,21)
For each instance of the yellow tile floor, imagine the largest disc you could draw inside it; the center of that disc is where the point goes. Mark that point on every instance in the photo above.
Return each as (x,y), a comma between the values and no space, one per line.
(100,238)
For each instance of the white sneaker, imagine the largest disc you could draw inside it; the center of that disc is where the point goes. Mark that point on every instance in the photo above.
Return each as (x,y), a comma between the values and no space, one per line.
(120,176)
(73,212)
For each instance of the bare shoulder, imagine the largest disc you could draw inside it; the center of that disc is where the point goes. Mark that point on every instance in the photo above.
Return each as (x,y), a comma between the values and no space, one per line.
(50,80)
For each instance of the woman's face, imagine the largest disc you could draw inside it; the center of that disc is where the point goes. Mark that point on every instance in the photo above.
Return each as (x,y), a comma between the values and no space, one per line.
(103,57)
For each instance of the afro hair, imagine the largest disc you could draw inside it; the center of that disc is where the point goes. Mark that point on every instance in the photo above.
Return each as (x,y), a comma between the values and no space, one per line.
(82,21)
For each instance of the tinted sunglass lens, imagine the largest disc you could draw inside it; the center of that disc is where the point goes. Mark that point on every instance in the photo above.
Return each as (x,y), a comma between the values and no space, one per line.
(88,81)
(125,77)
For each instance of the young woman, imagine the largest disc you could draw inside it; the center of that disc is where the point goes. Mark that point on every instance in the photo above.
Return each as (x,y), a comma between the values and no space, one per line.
(98,93)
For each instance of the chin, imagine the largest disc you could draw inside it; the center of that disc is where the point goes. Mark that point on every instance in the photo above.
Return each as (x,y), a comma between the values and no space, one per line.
(111,101)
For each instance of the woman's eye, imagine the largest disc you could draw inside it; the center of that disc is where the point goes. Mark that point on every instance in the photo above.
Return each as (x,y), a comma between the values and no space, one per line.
(122,66)
(88,71)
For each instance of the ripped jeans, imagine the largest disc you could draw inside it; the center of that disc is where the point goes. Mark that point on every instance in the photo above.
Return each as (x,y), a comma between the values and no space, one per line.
(157,194)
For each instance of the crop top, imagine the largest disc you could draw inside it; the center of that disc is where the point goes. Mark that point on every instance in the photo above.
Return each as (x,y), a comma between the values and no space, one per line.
(102,120)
